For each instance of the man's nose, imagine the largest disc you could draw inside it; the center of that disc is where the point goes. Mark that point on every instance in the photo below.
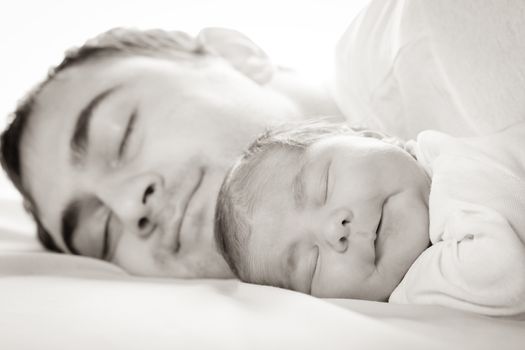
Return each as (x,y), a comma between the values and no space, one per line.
(135,201)
(337,230)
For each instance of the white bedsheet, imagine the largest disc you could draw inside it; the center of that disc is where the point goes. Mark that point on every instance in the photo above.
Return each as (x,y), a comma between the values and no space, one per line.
(55,301)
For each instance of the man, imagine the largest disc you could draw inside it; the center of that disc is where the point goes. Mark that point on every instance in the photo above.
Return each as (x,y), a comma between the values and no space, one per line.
(120,153)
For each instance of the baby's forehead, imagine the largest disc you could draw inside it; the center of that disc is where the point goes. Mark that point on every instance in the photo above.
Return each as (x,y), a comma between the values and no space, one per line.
(272,204)
(267,262)
(275,170)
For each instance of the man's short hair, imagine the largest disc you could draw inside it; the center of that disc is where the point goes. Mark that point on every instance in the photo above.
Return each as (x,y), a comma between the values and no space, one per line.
(237,195)
(118,41)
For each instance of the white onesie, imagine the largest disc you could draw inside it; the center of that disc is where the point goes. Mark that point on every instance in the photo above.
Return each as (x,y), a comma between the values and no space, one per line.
(477,224)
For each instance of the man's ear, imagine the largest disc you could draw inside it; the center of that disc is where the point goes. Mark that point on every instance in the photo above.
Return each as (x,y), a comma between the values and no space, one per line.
(242,53)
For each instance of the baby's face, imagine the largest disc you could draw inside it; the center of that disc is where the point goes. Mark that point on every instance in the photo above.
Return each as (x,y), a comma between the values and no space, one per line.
(345,218)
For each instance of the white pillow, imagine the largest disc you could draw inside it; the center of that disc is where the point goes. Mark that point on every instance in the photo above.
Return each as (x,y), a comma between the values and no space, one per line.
(454,66)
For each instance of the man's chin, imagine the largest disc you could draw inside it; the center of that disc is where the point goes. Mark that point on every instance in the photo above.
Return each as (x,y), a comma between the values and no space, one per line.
(213,266)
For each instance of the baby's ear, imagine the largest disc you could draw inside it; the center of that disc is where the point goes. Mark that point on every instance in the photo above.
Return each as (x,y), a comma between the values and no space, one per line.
(239,51)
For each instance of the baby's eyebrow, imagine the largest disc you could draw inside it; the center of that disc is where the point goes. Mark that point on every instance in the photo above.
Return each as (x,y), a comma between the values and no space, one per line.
(291,257)
(298,191)
(291,263)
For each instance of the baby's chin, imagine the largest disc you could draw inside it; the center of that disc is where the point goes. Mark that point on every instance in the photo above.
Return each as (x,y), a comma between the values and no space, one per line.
(403,234)
(389,270)
(375,288)
(392,265)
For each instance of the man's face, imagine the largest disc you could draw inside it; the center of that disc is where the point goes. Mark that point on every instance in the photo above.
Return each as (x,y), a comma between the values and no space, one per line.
(124,157)
(345,219)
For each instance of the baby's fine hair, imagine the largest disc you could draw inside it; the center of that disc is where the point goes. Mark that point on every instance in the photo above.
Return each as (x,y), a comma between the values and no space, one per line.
(115,42)
(237,195)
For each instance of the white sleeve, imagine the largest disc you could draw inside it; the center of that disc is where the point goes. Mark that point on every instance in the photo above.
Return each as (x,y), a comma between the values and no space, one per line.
(479,266)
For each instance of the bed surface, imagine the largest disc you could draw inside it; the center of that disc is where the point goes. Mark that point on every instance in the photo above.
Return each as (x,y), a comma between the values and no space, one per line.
(50,300)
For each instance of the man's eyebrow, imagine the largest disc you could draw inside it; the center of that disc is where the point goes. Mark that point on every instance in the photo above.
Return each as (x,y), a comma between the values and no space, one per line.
(80,139)
(69,222)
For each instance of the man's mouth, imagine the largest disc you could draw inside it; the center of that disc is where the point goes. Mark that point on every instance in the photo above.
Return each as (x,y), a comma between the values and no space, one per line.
(184,204)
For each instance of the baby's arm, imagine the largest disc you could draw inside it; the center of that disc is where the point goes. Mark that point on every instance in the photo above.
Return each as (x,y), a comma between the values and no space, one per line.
(479,265)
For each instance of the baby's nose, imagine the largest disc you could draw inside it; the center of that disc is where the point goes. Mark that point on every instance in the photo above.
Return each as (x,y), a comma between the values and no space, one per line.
(339,230)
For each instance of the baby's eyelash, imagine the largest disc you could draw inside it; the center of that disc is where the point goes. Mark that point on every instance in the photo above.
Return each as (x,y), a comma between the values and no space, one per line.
(314,268)
(106,237)
(327,181)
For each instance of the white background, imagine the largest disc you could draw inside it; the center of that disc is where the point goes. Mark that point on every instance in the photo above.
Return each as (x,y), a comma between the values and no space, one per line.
(34,34)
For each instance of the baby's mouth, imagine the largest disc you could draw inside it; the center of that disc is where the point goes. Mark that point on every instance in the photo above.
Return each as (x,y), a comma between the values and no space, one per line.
(378,232)
(380,223)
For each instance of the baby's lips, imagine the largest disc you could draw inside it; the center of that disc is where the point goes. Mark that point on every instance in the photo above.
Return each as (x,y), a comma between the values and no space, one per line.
(367,235)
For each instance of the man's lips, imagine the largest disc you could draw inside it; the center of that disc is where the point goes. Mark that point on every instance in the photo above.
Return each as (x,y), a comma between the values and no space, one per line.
(183,205)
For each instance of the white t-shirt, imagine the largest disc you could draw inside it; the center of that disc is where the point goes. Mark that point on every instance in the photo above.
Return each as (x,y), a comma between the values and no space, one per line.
(477,224)
(454,66)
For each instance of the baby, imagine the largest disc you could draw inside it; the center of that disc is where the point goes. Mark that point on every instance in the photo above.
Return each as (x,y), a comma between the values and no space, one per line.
(350,213)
